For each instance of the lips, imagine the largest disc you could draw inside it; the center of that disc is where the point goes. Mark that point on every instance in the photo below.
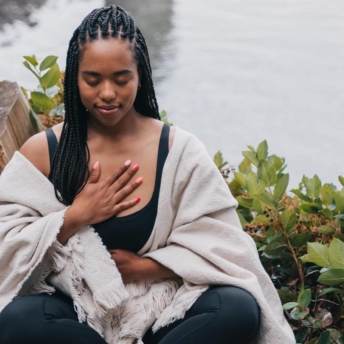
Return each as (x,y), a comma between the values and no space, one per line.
(107,109)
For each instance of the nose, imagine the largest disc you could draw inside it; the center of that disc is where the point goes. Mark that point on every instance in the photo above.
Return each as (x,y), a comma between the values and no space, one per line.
(107,92)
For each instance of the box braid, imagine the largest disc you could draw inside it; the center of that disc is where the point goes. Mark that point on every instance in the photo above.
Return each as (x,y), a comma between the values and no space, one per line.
(69,172)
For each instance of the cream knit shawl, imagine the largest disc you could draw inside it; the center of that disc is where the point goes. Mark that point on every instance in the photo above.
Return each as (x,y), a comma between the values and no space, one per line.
(197,234)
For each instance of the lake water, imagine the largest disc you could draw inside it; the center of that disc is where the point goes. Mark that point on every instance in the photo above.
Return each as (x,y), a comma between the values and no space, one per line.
(232,72)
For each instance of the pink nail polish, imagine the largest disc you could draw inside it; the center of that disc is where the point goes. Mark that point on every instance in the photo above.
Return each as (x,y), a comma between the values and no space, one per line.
(95,166)
(135,167)
(138,199)
(139,180)
(127,163)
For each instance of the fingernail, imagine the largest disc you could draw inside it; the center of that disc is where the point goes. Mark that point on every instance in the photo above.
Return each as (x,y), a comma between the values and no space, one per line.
(95,166)
(138,199)
(127,163)
(139,180)
(135,167)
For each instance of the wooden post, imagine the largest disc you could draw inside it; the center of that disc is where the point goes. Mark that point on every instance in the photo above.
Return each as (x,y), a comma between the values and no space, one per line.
(15,124)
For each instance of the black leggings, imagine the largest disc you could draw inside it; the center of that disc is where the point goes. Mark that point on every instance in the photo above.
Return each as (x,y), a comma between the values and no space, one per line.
(221,315)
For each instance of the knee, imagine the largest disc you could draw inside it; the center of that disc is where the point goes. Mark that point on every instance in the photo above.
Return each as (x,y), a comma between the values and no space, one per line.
(240,307)
(15,319)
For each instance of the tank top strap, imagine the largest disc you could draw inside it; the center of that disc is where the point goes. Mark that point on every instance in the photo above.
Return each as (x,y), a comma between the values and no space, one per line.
(52,144)
(162,155)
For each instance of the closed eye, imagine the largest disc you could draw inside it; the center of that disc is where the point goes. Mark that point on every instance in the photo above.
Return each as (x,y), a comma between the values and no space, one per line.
(122,83)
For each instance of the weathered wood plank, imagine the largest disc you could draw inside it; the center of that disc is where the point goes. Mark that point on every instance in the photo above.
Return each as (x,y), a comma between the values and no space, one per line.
(15,124)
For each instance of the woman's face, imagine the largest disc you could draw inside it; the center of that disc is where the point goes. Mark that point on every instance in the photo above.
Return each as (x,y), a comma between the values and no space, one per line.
(108,80)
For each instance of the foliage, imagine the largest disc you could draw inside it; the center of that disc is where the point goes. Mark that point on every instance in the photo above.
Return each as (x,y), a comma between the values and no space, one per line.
(46,102)
(299,236)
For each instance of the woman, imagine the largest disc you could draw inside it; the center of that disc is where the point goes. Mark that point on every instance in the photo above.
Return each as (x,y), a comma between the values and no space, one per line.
(200,273)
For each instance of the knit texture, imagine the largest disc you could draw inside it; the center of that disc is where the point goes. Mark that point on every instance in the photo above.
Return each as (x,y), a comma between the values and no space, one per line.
(197,234)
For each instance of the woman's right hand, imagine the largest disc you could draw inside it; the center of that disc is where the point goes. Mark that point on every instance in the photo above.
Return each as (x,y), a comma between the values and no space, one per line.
(98,201)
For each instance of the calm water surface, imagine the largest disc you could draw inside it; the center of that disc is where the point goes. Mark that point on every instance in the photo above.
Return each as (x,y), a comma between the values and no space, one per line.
(232,72)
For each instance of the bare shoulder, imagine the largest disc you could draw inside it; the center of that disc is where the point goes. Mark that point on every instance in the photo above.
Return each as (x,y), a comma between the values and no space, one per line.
(36,150)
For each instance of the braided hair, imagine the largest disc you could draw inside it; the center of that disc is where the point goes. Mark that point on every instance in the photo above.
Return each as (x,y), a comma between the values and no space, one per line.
(69,172)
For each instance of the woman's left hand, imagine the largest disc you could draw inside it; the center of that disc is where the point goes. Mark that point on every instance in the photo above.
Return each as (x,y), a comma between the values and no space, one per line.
(128,264)
(133,267)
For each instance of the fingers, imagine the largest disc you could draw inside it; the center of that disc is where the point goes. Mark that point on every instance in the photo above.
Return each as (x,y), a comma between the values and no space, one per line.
(117,173)
(125,205)
(95,172)
(127,190)
(122,181)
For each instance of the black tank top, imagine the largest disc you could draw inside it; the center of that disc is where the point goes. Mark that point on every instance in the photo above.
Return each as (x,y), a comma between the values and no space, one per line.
(129,232)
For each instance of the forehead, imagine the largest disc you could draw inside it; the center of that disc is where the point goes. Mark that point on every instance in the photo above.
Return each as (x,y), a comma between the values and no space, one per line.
(107,54)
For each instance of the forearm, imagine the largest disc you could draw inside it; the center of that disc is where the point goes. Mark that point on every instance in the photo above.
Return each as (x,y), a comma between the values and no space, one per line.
(71,225)
(151,269)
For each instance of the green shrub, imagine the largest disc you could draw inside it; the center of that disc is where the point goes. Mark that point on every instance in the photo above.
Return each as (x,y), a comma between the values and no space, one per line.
(299,237)
(47,107)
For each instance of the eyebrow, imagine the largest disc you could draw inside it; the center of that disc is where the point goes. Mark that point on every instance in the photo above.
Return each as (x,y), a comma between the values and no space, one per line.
(92,73)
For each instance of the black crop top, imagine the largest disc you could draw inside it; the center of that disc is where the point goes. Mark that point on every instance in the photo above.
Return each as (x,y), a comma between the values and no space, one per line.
(129,232)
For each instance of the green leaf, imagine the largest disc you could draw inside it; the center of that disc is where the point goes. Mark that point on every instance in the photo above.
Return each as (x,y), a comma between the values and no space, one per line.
(336,254)
(301,239)
(32,59)
(242,220)
(332,277)
(288,219)
(301,335)
(240,178)
(287,296)
(276,243)
(41,100)
(48,62)
(51,78)
(325,338)
(341,180)
(301,195)
(262,150)
(26,64)
(330,290)
(298,315)
(276,162)
(261,219)
(257,206)
(339,200)
(327,230)
(245,166)
(325,195)
(218,159)
(35,122)
(305,298)
(318,254)
(337,336)
(327,213)
(252,185)
(312,208)
(312,186)
(339,236)
(290,305)
(266,174)
(266,199)
(58,111)
(245,202)
(281,187)
(251,148)
(252,157)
